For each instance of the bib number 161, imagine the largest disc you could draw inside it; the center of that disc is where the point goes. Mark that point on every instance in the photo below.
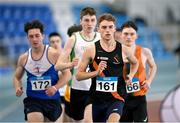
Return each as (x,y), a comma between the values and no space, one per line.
(106,84)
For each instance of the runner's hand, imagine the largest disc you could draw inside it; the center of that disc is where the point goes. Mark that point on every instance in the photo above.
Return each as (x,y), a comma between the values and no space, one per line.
(50,91)
(19,91)
(75,62)
(102,66)
(146,86)
(128,80)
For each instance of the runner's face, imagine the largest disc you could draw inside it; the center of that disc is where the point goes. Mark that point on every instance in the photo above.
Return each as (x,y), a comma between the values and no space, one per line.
(55,42)
(88,23)
(128,36)
(35,37)
(107,29)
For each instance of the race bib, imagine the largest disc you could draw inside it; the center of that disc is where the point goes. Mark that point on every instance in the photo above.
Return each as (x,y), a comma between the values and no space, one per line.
(134,86)
(40,83)
(106,84)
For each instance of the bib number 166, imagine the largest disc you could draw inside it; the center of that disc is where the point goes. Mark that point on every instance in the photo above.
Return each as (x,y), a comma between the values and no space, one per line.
(133,87)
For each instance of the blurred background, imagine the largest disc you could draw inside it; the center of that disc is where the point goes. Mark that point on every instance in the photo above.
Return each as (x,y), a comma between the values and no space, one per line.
(159,29)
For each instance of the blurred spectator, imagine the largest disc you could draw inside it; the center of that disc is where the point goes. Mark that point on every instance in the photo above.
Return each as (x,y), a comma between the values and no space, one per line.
(170,15)
(73,29)
(55,41)
(177,51)
(140,21)
(117,35)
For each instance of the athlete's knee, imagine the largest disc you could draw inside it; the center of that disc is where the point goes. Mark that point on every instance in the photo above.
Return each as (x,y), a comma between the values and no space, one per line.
(113,117)
(35,117)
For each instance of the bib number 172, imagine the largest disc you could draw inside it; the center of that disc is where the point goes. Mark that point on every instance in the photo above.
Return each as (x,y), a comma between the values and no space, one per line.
(40,83)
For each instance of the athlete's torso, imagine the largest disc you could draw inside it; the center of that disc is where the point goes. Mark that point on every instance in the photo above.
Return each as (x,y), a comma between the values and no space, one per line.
(141,72)
(79,47)
(40,74)
(112,87)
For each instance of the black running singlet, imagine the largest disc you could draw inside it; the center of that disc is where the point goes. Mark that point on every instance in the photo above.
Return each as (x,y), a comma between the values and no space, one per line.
(110,84)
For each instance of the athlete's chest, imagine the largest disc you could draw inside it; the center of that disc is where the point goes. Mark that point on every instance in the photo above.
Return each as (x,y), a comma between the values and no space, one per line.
(113,59)
(80,47)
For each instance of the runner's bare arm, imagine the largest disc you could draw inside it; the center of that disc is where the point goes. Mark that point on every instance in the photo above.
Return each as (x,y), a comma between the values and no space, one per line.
(64,77)
(63,60)
(132,60)
(151,64)
(19,72)
(88,55)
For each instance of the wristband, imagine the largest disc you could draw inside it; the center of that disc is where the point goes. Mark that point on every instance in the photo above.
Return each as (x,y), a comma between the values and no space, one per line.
(54,88)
